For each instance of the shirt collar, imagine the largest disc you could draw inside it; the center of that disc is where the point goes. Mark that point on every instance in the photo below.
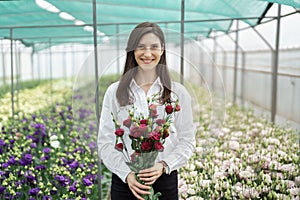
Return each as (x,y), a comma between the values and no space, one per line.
(156,83)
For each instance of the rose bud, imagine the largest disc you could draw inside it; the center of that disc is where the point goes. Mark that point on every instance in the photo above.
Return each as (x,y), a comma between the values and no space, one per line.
(152,107)
(119,132)
(165,133)
(127,122)
(177,108)
(153,113)
(143,121)
(160,122)
(158,146)
(169,109)
(119,147)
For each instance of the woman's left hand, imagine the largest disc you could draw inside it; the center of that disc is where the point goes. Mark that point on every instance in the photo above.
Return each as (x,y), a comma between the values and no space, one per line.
(150,175)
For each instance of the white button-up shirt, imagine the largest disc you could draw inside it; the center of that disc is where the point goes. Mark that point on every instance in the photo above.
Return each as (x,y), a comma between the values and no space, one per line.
(178,147)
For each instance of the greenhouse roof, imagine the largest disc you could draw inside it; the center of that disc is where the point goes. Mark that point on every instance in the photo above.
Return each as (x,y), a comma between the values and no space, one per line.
(40,22)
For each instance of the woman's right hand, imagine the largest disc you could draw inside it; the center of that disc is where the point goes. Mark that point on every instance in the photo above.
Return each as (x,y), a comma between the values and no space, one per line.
(136,188)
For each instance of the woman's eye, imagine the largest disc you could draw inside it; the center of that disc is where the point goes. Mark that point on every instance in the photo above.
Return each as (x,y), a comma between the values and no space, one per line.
(140,46)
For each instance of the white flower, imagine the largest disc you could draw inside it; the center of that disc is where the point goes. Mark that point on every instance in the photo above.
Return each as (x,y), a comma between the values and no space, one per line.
(55,144)
(294,191)
(193,173)
(191,191)
(226,130)
(234,145)
(204,183)
(53,137)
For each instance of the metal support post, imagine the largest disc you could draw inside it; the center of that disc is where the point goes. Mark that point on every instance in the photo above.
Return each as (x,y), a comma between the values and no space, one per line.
(97,92)
(182,43)
(275,68)
(12,73)
(235,62)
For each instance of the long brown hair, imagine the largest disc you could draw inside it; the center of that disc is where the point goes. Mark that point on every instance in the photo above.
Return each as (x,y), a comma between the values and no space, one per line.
(124,94)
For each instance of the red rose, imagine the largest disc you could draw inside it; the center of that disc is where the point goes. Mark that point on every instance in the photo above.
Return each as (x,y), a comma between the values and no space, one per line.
(177,108)
(146,146)
(169,109)
(143,121)
(119,147)
(127,122)
(158,146)
(160,122)
(119,132)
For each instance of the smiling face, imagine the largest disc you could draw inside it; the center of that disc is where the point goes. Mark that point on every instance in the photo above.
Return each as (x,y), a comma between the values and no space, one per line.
(148,52)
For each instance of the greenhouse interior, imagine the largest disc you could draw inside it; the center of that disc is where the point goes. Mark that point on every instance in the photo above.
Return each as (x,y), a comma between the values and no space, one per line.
(239,60)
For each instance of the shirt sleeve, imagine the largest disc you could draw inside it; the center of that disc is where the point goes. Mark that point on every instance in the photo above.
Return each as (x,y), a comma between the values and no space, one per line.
(185,130)
(111,158)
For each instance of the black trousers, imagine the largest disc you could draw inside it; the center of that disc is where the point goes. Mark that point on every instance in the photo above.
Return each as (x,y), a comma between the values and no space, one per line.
(166,184)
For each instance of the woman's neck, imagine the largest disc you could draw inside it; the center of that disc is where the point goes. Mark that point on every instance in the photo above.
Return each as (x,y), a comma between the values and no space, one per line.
(145,77)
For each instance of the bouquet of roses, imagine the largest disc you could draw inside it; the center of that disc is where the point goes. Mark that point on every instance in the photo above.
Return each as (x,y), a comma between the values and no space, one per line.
(147,134)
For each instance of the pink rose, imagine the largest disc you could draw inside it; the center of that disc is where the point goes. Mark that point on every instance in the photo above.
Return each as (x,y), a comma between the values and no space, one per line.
(119,147)
(146,146)
(127,122)
(169,109)
(153,113)
(134,132)
(154,135)
(158,146)
(142,128)
(119,132)
(160,122)
(152,107)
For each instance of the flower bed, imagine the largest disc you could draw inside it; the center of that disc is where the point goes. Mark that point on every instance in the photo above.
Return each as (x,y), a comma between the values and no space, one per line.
(246,158)
(43,157)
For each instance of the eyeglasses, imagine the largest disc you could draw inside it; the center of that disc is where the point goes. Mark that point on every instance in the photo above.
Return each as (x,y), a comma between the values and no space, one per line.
(153,47)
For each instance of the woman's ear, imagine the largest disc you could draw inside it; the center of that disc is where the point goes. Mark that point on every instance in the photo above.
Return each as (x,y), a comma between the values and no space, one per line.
(162,51)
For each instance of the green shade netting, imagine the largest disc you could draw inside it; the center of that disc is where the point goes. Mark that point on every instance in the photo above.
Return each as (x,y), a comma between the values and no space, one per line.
(126,13)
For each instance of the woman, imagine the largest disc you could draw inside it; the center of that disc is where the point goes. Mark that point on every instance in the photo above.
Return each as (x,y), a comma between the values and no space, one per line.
(146,74)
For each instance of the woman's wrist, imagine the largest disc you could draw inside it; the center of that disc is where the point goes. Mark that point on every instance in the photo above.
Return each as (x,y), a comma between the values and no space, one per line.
(165,167)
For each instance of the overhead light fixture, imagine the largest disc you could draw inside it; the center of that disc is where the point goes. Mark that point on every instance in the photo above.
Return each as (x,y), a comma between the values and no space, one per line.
(47,6)
(66,16)
(105,39)
(78,22)
(88,28)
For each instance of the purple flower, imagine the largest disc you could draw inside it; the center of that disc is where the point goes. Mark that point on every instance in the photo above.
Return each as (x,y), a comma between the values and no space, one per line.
(33,145)
(12,160)
(47,198)
(46,150)
(2,143)
(2,188)
(53,192)
(26,159)
(62,180)
(73,187)
(87,182)
(30,178)
(74,164)
(5,165)
(40,167)
(34,191)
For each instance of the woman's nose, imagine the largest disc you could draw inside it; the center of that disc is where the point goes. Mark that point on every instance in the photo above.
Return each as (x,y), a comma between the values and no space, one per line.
(147,52)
